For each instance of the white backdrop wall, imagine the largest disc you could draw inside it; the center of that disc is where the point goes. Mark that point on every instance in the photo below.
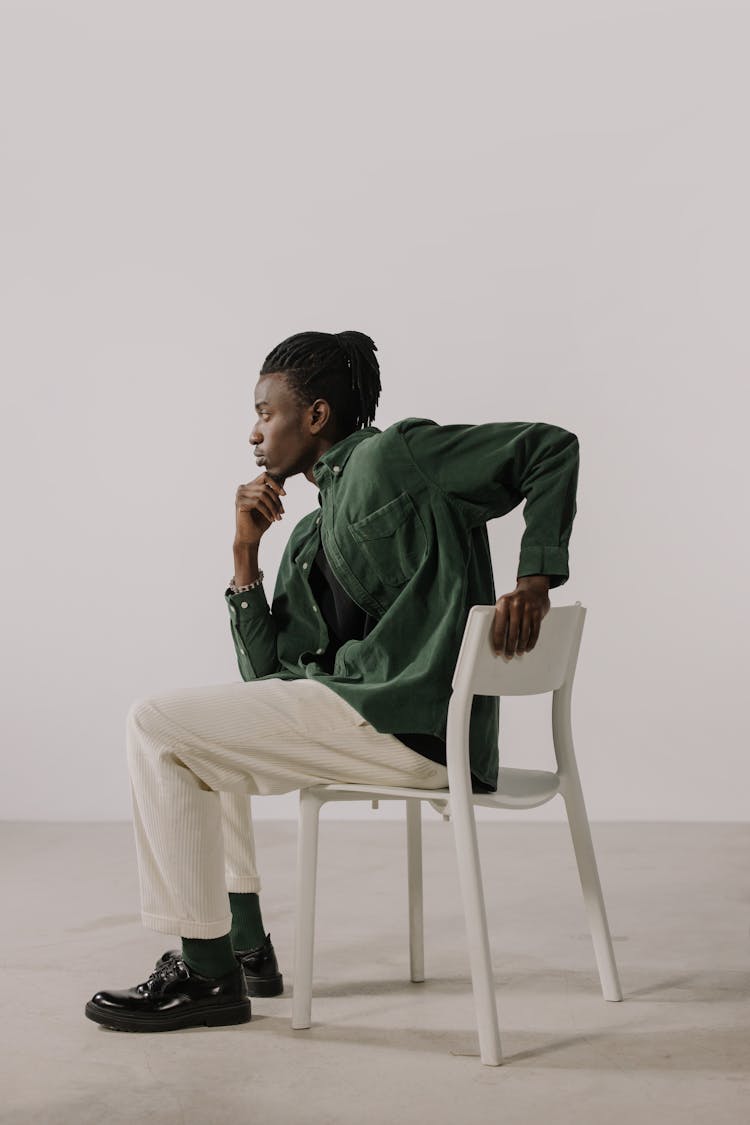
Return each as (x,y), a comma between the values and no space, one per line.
(538,211)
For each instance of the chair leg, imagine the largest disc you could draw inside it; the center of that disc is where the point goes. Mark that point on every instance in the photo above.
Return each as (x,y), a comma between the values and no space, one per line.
(304,922)
(578,821)
(416,911)
(482,977)
(592,889)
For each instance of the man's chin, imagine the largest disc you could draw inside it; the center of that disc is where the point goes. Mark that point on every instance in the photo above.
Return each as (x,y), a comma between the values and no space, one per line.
(264,467)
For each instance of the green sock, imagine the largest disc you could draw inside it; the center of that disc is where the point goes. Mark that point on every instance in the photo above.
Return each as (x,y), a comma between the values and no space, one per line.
(247,925)
(211,957)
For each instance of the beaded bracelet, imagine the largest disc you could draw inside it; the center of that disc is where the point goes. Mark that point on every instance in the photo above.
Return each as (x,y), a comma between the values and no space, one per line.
(251,586)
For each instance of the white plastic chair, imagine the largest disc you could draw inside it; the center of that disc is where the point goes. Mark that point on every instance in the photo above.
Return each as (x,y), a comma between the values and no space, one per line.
(550,666)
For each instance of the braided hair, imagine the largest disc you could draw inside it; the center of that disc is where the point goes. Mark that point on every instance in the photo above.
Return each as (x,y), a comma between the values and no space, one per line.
(339,367)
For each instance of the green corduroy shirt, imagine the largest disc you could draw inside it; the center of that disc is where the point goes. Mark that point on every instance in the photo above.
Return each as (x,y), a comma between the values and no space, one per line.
(402,519)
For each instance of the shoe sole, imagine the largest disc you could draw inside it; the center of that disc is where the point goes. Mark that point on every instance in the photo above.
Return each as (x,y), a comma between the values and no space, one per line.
(207,1017)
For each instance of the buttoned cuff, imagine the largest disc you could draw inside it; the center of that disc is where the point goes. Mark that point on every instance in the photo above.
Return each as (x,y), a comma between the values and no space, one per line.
(551,561)
(248,605)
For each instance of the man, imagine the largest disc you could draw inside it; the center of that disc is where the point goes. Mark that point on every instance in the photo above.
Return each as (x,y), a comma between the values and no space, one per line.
(347,678)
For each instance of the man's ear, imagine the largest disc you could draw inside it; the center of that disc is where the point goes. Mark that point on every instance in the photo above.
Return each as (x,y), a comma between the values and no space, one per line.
(320,415)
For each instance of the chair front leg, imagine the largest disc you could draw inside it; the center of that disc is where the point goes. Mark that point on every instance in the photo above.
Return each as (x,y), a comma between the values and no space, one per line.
(416,908)
(304,922)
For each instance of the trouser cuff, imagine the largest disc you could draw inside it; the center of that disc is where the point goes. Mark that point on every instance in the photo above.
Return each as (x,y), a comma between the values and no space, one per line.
(243,884)
(188,927)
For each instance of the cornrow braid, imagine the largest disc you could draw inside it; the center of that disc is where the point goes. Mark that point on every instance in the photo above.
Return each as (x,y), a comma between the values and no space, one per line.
(340,367)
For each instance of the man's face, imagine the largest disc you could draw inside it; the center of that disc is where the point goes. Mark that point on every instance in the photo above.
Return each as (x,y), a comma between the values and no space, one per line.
(282,441)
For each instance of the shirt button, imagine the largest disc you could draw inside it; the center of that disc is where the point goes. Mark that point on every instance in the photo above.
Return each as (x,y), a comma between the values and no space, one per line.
(337,468)
(317,521)
(243,605)
(315,609)
(304,566)
(318,651)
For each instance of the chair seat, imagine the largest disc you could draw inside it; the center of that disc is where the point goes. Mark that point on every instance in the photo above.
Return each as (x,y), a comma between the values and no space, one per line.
(520,789)
(516,789)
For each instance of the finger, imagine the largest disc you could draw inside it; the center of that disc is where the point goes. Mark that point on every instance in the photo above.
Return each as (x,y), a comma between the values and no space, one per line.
(500,625)
(265,478)
(249,496)
(274,484)
(524,632)
(264,483)
(275,496)
(514,624)
(268,509)
(534,634)
(262,506)
(538,626)
(540,612)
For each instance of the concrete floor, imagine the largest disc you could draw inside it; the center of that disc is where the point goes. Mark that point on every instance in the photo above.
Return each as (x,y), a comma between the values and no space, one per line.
(383,1050)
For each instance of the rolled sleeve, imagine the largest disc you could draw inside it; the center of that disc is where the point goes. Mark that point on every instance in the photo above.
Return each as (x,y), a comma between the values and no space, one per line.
(551,561)
(487,470)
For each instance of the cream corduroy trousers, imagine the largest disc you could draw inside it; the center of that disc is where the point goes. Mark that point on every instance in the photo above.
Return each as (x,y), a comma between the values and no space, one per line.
(196,754)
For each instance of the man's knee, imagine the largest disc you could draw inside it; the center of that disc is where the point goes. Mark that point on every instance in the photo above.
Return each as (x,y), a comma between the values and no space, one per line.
(142,724)
(138,715)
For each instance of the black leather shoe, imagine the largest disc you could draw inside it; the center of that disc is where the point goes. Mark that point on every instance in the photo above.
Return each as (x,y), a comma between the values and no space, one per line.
(260,966)
(174,996)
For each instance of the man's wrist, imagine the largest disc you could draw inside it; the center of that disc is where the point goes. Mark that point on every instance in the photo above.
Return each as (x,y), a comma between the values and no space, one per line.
(246,569)
(535,580)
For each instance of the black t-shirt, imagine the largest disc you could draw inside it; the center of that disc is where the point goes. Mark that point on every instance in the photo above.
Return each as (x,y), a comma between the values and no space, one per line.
(347,621)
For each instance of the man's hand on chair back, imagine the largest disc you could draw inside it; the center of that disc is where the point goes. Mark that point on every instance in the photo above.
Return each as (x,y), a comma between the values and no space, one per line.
(518,616)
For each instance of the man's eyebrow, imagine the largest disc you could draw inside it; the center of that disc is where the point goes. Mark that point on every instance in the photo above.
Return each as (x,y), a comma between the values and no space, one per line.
(262,402)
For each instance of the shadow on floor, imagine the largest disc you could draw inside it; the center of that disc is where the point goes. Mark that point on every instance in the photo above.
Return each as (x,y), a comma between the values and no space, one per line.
(642,1049)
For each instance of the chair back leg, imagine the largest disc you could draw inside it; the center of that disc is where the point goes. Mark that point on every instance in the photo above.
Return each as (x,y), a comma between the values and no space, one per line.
(304,922)
(592,890)
(580,831)
(416,908)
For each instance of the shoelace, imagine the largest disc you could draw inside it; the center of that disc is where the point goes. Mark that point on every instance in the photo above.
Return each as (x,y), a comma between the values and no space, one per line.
(174,969)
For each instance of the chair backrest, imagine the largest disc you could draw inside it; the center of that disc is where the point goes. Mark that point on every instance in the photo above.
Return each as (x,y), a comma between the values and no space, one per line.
(549,665)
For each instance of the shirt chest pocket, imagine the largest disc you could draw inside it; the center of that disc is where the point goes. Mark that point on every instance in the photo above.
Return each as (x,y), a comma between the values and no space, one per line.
(391,540)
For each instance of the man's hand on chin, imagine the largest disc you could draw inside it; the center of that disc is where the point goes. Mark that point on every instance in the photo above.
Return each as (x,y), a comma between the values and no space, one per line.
(518,616)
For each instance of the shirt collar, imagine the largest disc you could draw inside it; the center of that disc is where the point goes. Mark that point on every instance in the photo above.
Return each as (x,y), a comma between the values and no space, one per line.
(333,462)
